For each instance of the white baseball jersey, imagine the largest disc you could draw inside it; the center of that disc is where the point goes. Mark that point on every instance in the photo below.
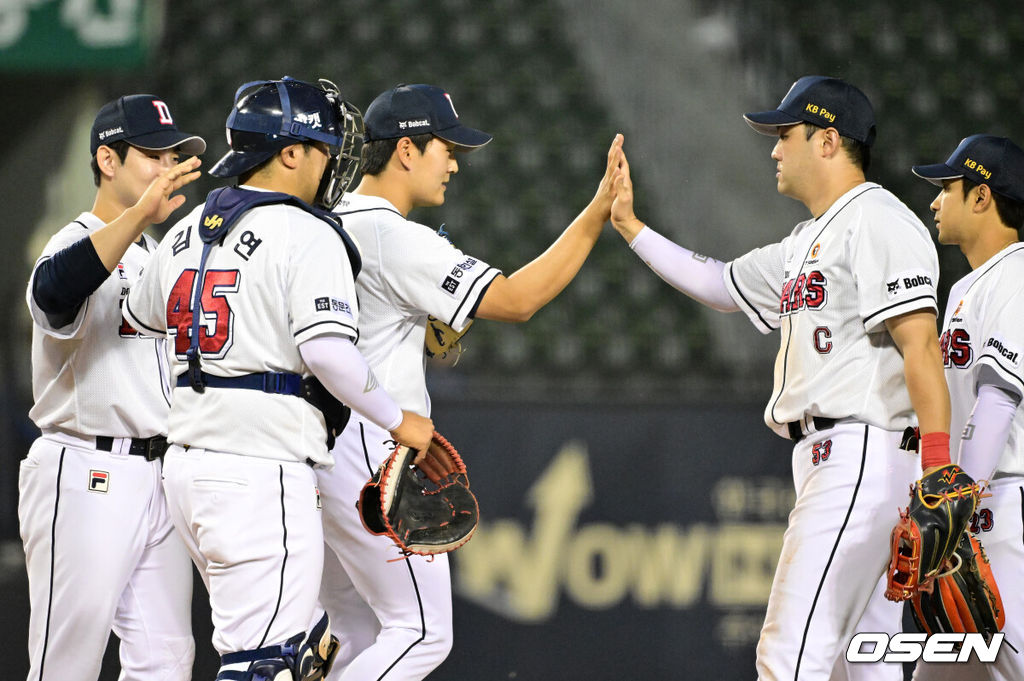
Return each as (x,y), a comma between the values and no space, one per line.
(79,370)
(983,342)
(281,277)
(829,287)
(409,272)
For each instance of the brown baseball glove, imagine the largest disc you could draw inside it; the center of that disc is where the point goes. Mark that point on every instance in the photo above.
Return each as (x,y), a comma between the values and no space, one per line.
(425,507)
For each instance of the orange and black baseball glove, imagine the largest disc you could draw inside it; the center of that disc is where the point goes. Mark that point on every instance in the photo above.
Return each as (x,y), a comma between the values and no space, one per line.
(929,530)
(426,507)
(965,598)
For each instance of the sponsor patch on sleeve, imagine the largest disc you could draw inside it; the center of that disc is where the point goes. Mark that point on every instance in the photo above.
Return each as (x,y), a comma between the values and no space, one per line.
(327,304)
(453,279)
(908,282)
(1001,348)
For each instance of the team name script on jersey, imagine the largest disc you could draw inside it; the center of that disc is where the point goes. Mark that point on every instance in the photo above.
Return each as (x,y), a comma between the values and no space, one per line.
(807,290)
(955,345)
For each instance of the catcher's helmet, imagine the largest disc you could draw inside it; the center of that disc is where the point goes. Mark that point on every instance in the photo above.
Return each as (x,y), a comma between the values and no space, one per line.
(269,115)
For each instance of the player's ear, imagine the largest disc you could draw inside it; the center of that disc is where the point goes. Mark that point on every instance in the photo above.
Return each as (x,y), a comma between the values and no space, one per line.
(830,141)
(292,155)
(107,161)
(405,152)
(982,198)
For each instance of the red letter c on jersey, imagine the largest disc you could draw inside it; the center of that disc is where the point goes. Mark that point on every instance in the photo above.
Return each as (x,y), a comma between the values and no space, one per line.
(821,342)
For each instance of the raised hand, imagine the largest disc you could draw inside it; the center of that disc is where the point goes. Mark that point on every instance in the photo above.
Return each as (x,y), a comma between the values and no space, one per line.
(606,189)
(156,204)
(623,218)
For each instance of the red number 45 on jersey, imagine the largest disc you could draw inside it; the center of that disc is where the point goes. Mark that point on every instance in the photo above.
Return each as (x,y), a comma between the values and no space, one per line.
(215,308)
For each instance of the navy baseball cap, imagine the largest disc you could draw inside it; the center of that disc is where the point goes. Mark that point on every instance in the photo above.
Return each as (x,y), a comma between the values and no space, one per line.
(824,102)
(143,121)
(982,159)
(408,110)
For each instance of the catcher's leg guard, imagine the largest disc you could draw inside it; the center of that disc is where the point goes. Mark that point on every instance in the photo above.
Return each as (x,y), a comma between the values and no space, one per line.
(302,658)
(316,655)
(270,663)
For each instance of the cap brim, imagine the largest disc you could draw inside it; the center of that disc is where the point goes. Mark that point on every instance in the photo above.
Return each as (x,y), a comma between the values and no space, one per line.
(936,173)
(461,136)
(769,122)
(235,163)
(193,145)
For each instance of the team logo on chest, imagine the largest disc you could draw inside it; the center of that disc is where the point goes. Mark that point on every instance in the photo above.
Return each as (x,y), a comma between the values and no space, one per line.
(99,481)
(806,290)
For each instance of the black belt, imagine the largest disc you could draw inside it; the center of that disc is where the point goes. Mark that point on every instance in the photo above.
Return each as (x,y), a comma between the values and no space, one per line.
(796,428)
(268,382)
(150,447)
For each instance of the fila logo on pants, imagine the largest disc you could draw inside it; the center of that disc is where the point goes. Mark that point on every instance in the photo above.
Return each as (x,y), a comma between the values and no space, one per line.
(98,481)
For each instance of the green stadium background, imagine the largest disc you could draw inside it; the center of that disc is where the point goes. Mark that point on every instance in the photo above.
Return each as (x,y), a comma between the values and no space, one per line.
(619,379)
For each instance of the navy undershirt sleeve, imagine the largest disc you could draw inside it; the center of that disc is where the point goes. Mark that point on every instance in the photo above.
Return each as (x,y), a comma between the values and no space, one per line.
(66,279)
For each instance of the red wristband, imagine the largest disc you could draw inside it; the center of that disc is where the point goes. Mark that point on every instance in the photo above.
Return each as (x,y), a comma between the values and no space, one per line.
(934,450)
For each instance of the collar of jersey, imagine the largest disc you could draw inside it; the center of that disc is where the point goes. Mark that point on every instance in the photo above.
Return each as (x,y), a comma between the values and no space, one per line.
(364,201)
(841,202)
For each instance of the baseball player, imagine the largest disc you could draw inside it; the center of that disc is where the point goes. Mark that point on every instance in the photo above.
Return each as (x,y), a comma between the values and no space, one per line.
(254,290)
(980,208)
(409,273)
(852,292)
(100,549)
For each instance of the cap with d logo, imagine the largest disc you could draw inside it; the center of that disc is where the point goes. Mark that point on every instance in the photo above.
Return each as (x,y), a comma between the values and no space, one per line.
(143,121)
(408,110)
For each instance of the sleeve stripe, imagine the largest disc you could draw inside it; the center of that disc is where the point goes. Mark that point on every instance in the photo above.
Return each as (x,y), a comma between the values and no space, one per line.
(351,329)
(368,210)
(469,293)
(134,321)
(903,303)
(995,360)
(753,309)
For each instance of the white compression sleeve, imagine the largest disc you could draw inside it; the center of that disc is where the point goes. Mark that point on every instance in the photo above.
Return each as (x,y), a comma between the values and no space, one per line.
(987,431)
(344,372)
(695,275)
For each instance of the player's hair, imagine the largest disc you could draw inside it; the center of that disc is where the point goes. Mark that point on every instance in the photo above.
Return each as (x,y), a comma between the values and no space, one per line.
(377,153)
(120,148)
(1010,212)
(858,152)
(248,174)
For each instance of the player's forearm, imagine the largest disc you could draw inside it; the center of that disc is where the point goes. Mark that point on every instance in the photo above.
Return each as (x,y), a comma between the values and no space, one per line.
(989,428)
(922,368)
(695,275)
(628,228)
(531,287)
(113,239)
(917,340)
(346,375)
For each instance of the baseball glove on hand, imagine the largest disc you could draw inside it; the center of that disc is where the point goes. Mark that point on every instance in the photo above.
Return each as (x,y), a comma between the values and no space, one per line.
(425,507)
(965,599)
(929,530)
(443,344)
